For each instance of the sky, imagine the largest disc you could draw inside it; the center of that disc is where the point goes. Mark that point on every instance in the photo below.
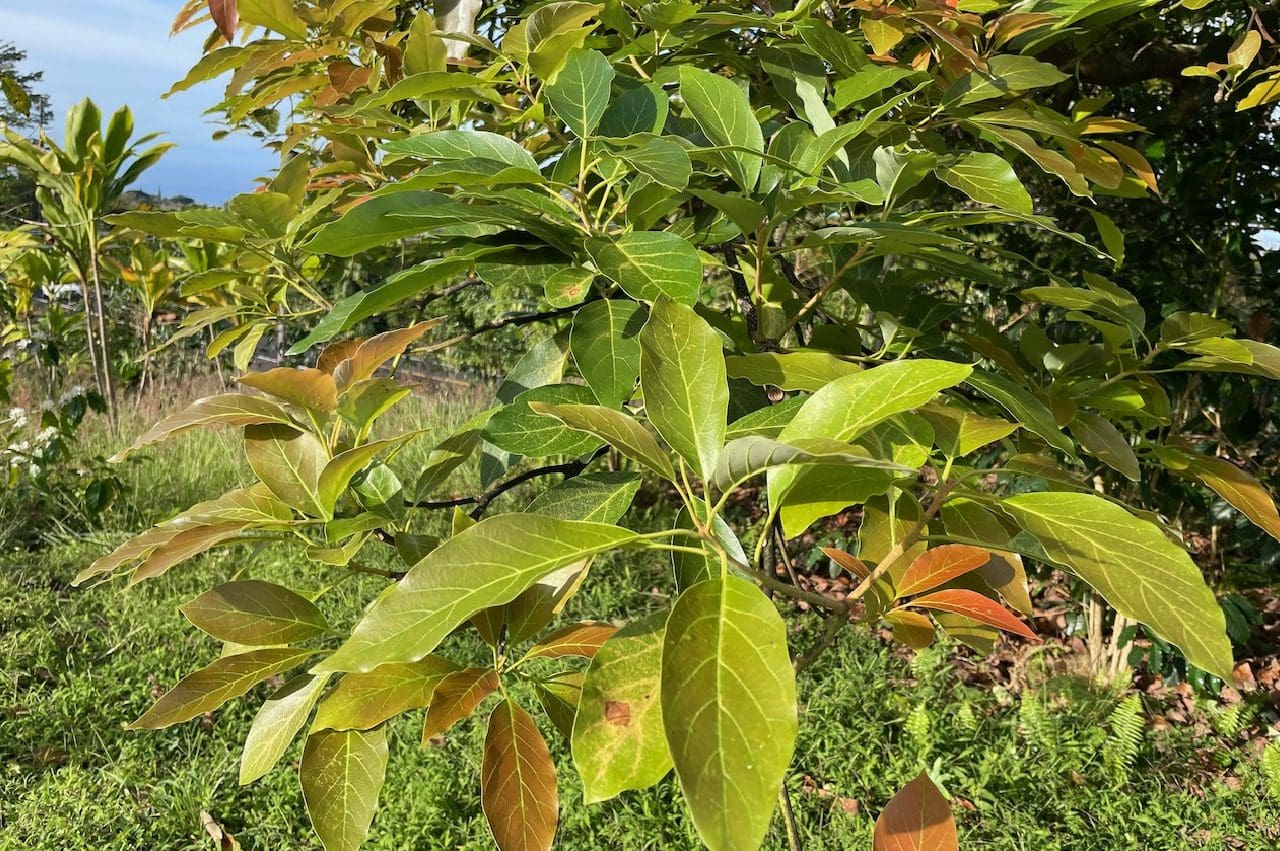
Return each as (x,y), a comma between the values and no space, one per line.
(119,52)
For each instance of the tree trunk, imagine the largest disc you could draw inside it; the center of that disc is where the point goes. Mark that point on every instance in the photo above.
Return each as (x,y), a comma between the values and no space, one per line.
(109,391)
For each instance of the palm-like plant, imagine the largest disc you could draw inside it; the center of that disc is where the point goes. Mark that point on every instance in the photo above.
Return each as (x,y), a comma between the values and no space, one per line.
(77,184)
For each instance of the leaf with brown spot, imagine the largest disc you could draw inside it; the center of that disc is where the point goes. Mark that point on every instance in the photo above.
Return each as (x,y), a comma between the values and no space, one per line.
(938,565)
(336,353)
(518,782)
(456,697)
(973,605)
(917,819)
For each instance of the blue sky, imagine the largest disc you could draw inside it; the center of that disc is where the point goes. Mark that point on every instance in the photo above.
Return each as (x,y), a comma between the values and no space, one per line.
(119,52)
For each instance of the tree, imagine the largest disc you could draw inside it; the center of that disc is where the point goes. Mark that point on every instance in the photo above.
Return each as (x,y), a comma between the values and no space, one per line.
(21,108)
(76,185)
(775,252)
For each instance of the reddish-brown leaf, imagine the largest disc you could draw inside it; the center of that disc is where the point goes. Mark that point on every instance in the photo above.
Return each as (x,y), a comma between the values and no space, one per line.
(226,16)
(939,565)
(851,563)
(971,604)
(518,782)
(917,819)
(578,639)
(456,697)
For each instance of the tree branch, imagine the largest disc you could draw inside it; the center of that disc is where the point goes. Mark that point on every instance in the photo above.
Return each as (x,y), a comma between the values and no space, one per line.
(481,501)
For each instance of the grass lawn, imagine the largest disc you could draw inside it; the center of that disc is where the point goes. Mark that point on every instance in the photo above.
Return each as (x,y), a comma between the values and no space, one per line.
(1036,770)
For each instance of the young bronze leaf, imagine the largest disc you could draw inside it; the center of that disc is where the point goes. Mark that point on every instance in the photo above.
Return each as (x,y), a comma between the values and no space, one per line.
(186,542)
(621,431)
(377,350)
(518,782)
(255,613)
(1133,566)
(618,739)
(971,604)
(483,566)
(342,774)
(277,722)
(939,565)
(1004,571)
(456,697)
(216,683)
(916,819)
(728,708)
(579,639)
(1245,493)
(312,389)
(686,392)
(226,17)
(238,409)
(289,462)
(363,701)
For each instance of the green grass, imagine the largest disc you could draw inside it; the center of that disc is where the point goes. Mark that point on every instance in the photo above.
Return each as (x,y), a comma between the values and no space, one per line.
(77,665)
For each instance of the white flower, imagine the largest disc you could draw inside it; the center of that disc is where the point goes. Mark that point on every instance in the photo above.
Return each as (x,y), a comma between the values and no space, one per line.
(46,435)
(47,405)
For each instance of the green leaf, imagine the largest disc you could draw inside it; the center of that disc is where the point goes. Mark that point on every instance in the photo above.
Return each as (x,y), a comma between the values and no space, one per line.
(639,110)
(1133,566)
(520,429)
(373,222)
(686,391)
(606,347)
(797,370)
(1033,414)
(724,113)
(618,740)
(597,497)
(850,406)
(216,683)
(342,774)
(362,701)
(728,708)
(451,453)
(987,179)
(255,613)
(768,421)
(277,722)
(356,307)
(959,431)
(1006,74)
(1101,439)
(692,568)
(580,92)
(339,471)
(461,144)
(483,566)
(816,492)
(621,431)
(289,462)
(749,456)
(518,782)
(661,160)
(236,409)
(649,265)
(1265,361)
